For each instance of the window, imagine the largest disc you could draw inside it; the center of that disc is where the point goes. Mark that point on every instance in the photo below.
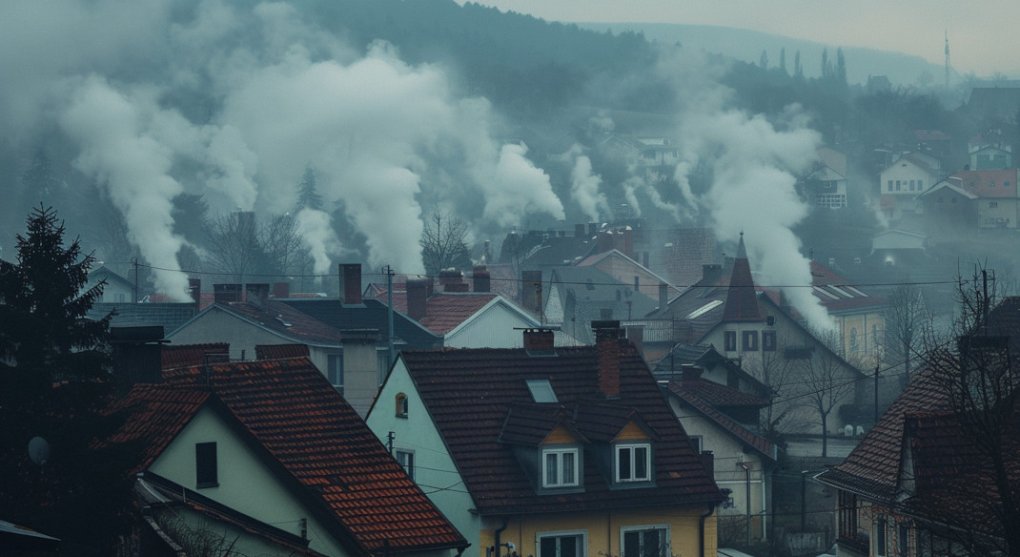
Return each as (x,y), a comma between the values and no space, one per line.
(730,340)
(541,390)
(888,185)
(993,204)
(205,465)
(651,541)
(559,468)
(768,341)
(634,462)
(335,370)
(880,549)
(401,405)
(903,540)
(567,544)
(406,461)
(749,340)
(847,516)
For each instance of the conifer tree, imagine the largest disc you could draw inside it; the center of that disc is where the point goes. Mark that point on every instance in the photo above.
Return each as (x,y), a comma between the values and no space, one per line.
(54,384)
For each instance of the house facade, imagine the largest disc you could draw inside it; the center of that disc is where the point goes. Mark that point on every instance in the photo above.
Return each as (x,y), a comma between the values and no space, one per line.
(903,180)
(527,453)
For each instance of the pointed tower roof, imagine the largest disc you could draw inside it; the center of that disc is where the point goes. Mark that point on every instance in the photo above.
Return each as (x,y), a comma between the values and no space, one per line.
(741,299)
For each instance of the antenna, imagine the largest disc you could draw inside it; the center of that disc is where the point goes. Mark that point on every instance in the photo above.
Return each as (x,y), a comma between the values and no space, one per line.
(947,58)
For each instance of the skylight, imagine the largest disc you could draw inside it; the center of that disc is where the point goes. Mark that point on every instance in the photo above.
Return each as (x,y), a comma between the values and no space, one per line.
(541,390)
(704,309)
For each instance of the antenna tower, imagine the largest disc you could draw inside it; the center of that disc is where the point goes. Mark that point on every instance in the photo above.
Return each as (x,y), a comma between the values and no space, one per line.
(947,58)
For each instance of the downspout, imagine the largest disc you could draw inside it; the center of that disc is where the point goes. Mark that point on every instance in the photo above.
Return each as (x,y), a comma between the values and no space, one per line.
(496,533)
(747,498)
(701,529)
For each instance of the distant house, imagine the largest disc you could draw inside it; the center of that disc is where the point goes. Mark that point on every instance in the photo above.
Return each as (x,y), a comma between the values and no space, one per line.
(579,295)
(949,208)
(996,194)
(117,288)
(902,181)
(226,454)
(990,156)
(827,185)
(550,451)
(859,314)
(626,270)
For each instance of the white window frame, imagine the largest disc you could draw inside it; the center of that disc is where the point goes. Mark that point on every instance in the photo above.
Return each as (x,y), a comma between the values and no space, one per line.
(408,466)
(666,549)
(617,449)
(560,453)
(583,534)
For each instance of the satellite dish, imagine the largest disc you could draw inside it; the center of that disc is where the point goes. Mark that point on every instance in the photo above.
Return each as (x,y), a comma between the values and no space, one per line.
(39,450)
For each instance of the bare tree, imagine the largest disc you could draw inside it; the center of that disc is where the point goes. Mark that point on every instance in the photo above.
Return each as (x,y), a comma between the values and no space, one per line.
(443,244)
(974,371)
(237,245)
(777,373)
(828,381)
(906,319)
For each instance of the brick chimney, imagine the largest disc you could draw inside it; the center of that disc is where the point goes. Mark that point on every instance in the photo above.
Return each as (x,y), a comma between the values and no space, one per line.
(690,372)
(607,348)
(281,290)
(539,340)
(417,298)
(480,278)
(226,293)
(257,294)
(457,287)
(350,283)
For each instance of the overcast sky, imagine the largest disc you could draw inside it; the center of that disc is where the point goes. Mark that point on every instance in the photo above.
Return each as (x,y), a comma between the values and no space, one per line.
(983,35)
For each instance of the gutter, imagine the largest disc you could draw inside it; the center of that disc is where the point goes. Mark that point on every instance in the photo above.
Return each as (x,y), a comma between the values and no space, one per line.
(701,529)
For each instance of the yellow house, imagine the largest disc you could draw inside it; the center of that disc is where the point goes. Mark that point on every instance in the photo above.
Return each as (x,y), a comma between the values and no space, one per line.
(548,451)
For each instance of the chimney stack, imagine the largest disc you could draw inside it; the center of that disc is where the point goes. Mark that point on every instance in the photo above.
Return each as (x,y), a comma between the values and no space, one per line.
(195,291)
(539,340)
(607,348)
(417,298)
(226,293)
(663,295)
(448,277)
(481,279)
(350,283)
(257,294)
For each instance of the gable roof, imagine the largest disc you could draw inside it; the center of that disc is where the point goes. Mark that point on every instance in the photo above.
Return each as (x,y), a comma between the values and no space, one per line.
(105,273)
(592,291)
(290,409)
(837,295)
(748,438)
(447,311)
(169,315)
(741,298)
(469,394)
(953,184)
(371,314)
(705,356)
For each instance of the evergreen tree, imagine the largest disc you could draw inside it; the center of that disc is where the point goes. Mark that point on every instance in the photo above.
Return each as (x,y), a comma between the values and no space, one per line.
(308,197)
(54,384)
(840,72)
(764,60)
(782,60)
(798,69)
(826,64)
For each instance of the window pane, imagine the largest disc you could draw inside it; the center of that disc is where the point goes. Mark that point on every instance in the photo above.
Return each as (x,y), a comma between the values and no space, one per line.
(547,547)
(651,543)
(631,544)
(568,546)
(623,462)
(551,478)
(640,462)
(569,460)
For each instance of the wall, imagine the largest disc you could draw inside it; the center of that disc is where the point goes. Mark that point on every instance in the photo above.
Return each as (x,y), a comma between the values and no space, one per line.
(496,327)
(245,482)
(216,325)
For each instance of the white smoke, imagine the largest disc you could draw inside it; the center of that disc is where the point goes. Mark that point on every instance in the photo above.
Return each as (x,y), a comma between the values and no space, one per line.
(283,95)
(584,187)
(754,165)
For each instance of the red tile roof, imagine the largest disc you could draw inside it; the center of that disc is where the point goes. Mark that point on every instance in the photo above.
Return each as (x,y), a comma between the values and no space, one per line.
(280,351)
(157,415)
(469,393)
(445,312)
(184,355)
(990,184)
(832,291)
(290,408)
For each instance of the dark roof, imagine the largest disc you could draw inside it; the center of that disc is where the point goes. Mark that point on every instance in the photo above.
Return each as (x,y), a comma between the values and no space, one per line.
(470,393)
(707,357)
(741,298)
(290,409)
(184,355)
(369,315)
(169,315)
(285,320)
(280,351)
(719,395)
(748,438)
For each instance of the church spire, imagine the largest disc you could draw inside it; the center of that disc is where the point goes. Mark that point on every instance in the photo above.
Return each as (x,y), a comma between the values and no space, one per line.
(741,298)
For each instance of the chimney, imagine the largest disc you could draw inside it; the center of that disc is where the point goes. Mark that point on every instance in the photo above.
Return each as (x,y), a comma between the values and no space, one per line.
(579,231)
(417,298)
(539,340)
(628,242)
(257,294)
(607,348)
(137,355)
(350,283)
(605,242)
(690,372)
(226,293)
(195,290)
(663,295)
(531,291)
(448,277)
(708,461)
(361,373)
(281,290)
(710,273)
(481,279)
(430,287)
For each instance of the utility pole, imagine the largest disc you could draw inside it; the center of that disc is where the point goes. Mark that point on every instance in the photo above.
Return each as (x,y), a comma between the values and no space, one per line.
(135,263)
(389,313)
(876,395)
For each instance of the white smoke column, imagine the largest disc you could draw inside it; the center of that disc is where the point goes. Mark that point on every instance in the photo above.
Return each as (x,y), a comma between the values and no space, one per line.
(584,188)
(519,187)
(754,172)
(133,167)
(236,164)
(316,233)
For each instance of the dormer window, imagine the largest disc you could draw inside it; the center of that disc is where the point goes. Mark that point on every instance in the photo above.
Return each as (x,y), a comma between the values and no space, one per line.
(401,405)
(633,462)
(560,468)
